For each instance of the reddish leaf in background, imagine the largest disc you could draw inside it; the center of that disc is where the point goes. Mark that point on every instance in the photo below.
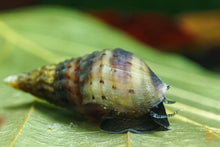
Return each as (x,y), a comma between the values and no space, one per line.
(152,29)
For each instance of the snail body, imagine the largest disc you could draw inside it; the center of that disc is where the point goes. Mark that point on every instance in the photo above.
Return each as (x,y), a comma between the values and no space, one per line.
(113,84)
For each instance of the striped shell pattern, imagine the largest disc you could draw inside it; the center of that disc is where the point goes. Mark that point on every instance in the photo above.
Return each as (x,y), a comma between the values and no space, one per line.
(112,82)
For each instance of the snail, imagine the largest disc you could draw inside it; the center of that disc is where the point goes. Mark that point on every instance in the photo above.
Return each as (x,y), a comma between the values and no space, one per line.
(114,85)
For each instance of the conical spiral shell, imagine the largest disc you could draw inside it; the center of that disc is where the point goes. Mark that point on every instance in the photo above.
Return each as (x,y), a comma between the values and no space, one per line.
(111,79)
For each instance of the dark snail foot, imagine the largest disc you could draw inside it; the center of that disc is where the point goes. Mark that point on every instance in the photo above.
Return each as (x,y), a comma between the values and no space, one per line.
(143,124)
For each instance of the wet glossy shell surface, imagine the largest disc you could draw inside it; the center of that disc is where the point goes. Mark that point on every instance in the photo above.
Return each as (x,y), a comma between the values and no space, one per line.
(111,79)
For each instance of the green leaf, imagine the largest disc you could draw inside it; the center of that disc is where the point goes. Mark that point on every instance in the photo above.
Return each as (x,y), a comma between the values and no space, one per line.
(35,37)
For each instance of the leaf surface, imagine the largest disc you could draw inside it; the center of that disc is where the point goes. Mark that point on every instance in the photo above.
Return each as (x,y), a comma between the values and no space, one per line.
(38,36)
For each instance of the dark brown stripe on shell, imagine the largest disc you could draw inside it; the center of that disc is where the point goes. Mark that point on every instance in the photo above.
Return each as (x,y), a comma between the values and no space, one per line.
(86,66)
(121,59)
(121,65)
(59,84)
(77,75)
(72,82)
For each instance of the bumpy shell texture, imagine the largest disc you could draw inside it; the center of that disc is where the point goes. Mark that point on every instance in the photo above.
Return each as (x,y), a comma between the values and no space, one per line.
(112,84)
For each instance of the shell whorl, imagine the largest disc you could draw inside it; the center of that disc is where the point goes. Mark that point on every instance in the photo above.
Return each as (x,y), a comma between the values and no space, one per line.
(41,83)
(120,81)
(115,79)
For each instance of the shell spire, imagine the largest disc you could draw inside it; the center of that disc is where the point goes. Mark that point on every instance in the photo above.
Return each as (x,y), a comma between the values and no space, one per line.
(41,77)
(12,81)
(39,82)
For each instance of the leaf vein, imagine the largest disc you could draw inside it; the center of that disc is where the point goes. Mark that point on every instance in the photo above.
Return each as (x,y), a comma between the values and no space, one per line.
(216,131)
(22,125)
(128,139)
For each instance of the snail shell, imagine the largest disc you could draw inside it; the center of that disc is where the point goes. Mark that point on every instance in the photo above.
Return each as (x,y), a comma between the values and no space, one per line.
(114,84)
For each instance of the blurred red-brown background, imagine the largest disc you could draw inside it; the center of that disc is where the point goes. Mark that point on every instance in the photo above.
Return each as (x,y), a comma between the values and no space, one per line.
(185,27)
